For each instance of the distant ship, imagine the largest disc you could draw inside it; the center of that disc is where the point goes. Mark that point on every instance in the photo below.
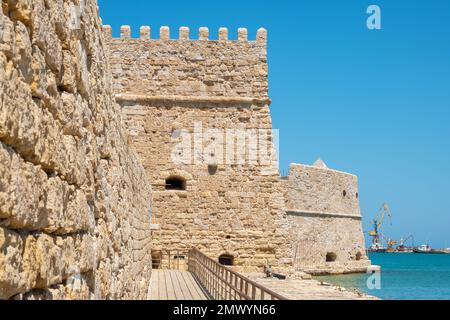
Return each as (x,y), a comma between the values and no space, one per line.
(404,249)
(425,248)
(377,248)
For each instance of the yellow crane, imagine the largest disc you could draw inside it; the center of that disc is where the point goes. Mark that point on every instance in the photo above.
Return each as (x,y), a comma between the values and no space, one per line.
(377,223)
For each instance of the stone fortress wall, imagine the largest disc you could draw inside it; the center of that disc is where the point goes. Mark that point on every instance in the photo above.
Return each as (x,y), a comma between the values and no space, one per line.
(322,206)
(74,199)
(167,86)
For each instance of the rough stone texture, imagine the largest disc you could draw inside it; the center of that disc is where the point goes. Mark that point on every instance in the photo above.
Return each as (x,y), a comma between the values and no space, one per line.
(74,200)
(165,86)
(190,68)
(323,210)
(239,210)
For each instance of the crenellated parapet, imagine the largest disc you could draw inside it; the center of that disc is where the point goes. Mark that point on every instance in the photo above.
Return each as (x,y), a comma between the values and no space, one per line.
(184,34)
(190,66)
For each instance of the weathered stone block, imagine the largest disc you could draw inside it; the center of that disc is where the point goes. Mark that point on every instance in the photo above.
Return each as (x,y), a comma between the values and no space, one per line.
(16,272)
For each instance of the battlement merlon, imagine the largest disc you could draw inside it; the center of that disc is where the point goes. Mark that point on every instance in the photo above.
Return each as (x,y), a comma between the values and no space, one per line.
(187,67)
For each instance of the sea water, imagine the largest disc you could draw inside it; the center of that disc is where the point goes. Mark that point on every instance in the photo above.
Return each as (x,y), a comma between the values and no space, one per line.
(404,276)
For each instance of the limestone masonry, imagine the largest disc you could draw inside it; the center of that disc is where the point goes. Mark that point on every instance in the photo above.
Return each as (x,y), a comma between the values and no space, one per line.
(103,140)
(74,200)
(323,211)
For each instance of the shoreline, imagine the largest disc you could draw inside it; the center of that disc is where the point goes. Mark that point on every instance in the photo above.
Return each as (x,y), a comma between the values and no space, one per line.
(309,289)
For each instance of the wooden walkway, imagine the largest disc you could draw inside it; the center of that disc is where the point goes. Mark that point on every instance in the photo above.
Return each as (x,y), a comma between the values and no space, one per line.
(175,285)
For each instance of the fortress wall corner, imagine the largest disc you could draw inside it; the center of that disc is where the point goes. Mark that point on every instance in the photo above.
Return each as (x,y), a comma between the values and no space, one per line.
(322,206)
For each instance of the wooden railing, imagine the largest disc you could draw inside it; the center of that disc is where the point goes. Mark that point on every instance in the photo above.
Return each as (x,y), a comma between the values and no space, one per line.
(223,283)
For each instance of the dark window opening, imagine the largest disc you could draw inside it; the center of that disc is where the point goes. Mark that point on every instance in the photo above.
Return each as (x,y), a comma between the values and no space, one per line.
(175,183)
(156,259)
(344,193)
(226,260)
(228,237)
(179,257)
(212,169)
(358,256)
(331,257)
(357,195)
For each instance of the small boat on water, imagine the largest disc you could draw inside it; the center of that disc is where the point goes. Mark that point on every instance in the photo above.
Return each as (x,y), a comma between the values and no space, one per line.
(377,248)
(404,249)
(425,248)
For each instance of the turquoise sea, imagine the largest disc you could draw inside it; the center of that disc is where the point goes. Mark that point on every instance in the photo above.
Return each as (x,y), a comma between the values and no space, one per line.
(404,276)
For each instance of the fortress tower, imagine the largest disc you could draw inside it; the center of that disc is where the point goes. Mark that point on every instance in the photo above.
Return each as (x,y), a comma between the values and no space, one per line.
(220,190)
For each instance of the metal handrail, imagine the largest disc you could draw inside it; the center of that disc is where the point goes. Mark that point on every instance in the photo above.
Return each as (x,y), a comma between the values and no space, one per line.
(223,283)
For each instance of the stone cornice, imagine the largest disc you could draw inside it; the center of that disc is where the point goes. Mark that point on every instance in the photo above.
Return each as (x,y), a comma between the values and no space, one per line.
(306,213)
(196,99)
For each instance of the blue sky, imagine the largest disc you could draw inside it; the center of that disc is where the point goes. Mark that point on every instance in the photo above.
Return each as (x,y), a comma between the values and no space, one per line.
(372,102)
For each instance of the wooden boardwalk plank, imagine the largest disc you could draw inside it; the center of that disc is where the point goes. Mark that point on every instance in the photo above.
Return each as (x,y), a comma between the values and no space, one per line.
(193,293)
(162,286)
(174,285)
(200,294)
(169,286)
(179,294)
(154,288)
(184,286)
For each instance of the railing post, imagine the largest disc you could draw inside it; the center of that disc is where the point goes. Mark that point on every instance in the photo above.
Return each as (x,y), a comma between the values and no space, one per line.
(230,297)
(235,285)
(222,281)
(169,261)
(230,279)
(242,287)
(217,281)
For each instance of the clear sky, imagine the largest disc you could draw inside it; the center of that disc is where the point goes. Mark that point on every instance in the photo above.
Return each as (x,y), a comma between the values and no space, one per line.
(372,102)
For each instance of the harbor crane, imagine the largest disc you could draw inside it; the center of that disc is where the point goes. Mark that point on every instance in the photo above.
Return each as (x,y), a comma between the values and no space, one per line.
(378,225)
